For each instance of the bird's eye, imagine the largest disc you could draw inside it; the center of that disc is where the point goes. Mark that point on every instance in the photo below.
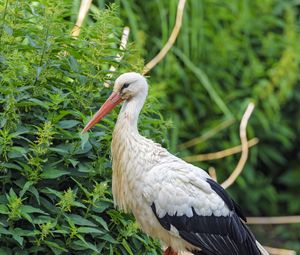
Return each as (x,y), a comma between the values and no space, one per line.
(125,85)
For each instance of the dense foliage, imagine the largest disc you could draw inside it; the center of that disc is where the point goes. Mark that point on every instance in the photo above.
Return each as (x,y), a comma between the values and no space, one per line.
(229,53)
(55,183)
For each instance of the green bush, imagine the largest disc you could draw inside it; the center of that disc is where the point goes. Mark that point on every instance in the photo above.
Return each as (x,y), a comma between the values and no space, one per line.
(55,183)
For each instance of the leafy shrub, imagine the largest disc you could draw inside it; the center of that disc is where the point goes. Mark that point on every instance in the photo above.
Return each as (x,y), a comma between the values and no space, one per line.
(55,183)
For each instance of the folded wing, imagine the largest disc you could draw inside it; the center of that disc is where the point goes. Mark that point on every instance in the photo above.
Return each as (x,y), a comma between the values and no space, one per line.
(189,204)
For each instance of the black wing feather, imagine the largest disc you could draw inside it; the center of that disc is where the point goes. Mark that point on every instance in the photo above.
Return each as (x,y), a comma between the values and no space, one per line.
(223,235)
(231,204)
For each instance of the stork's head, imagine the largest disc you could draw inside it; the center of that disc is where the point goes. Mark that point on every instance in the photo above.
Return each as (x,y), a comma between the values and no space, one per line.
(127,86)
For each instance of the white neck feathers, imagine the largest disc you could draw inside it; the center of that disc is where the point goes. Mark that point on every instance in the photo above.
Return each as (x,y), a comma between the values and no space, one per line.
(125,151)
(129,114)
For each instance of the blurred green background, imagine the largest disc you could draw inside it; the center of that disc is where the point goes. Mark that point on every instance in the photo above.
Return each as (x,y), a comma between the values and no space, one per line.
(227,54)
(55,184)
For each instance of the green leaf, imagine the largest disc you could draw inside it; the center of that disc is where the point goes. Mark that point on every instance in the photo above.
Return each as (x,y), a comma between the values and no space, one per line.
(52,191)
(86,244)
(73,162)
(41,219)
(73,64)
(18,238)
(24,232)
(111,250)
(79,220)
(101,221)
(62,150)
(4,209)
(17,152)
(55,245)
(66,124)
(25,188)
(84,149)
(127,247)
(51,173)
(109,238)
(26,216)
(11,166)
(78,204)
(86,192)
(84,139)
(38,71)
(61,231)
(7,29)
(12,194)
(87,230)
(31,209)
(39,103)
(101,206)
(35,192)
(85,168)
(4,231)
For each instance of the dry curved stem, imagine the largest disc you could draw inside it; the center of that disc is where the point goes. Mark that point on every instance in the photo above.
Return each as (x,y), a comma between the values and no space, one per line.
(273,220)
(213,174)
(244,143)
(171,40)
(277,251)
(220,154)
(84,8)
(119,57)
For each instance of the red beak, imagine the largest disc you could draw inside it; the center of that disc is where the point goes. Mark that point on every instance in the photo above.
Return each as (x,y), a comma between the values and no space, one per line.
(109,104)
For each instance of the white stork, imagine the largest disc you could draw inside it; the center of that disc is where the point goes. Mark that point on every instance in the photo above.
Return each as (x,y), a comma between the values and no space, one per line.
(171,199)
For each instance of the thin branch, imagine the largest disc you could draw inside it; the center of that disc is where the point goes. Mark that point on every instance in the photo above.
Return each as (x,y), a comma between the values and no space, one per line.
(220,154)
(171,40)
(244,142)
(277,251)
(274,220)
(84,8)
(119,57)
(213,174)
